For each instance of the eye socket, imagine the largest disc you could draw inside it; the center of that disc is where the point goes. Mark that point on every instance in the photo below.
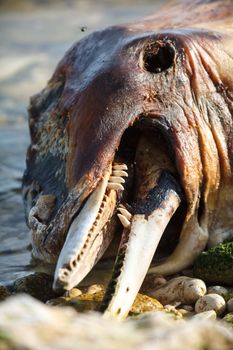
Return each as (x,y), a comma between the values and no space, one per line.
(158,57)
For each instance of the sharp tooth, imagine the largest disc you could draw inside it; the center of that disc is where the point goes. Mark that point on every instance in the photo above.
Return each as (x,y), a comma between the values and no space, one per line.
(124,212)
(119,173)
(125,222)
(193,240)
(120,167)
(115,186)
(137,248)
(116,179)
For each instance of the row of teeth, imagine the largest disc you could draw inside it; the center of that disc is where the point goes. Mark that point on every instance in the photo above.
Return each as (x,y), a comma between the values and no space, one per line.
(116,180)
(69,268)
(115,183)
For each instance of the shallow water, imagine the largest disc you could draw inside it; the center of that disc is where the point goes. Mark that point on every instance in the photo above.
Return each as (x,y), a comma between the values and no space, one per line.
(34,36)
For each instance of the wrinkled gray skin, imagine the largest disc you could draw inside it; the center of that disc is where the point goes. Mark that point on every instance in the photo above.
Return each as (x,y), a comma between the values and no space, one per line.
(137,114)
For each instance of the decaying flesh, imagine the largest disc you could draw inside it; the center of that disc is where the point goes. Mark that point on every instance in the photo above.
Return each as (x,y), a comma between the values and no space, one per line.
(135,124)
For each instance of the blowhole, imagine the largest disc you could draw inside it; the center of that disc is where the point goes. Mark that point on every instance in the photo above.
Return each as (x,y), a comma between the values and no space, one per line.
(158,57)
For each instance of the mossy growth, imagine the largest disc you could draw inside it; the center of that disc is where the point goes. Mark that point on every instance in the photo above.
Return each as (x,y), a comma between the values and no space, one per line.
(216,265)
(228,318)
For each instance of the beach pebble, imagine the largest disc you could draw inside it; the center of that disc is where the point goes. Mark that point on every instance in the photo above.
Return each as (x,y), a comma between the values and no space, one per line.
(206,315)
(95,288)
(180,289)
(211,302)
(143,303)
(217,290)
(39,285)
(230,305)
(4,292)
(73,293)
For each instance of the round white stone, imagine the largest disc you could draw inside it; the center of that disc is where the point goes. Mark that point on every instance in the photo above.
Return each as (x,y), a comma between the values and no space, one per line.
(211,302)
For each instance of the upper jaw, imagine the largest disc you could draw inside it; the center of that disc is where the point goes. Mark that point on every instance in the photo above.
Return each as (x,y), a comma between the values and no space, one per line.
(91,230)
(49,230)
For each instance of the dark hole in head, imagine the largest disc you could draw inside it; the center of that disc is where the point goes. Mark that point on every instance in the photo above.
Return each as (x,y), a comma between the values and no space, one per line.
(158,57)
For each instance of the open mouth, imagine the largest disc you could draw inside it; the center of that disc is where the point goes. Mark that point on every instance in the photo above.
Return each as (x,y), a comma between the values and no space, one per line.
(141,187)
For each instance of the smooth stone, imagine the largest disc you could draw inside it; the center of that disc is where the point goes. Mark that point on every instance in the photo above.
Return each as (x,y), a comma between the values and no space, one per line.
(144,303)
(4,292)
(38,285)
(98,296)
(73,293)
(95,288)
(206,315)
(180,289)
(211,302)
(217,290)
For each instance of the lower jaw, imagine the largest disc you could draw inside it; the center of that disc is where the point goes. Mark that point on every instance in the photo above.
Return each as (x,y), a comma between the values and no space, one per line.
(154,195)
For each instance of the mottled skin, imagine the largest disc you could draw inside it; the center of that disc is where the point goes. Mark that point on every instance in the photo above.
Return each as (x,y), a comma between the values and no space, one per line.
(171,71)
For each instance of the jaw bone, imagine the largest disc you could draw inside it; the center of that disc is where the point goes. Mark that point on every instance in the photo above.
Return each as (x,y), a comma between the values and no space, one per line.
(88,238)
(158,195)
(192,242)
(194,236)
(136,251)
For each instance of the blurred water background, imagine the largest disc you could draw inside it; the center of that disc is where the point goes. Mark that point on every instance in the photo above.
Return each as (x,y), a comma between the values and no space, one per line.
(33,37)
